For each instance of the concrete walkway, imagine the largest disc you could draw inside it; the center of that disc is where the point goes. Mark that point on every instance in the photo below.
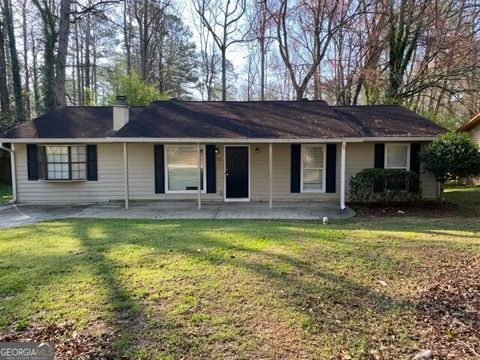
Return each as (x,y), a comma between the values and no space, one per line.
(25,214)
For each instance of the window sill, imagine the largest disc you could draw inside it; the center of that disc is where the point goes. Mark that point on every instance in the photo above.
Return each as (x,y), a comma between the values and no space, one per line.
(184,192)
(63,181)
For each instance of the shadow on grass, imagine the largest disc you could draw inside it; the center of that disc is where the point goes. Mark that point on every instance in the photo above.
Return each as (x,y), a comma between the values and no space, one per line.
(278,253)
(307,286)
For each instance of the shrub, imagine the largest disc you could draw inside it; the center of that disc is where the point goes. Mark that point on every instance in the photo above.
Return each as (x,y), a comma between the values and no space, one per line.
(452,156)
(385,185)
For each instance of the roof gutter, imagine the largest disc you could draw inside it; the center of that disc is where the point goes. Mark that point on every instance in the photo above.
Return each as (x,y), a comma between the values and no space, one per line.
(217,140)
(12,167)
(469,124)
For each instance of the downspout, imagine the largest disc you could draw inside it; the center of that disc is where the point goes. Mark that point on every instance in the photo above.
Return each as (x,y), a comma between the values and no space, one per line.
(13,170)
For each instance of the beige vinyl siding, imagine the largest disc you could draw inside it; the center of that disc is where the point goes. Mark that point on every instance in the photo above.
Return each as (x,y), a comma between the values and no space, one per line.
(110,184)
(358,156)
(142,176)
(475,134)
(108,187)
(281,175)
(428,183)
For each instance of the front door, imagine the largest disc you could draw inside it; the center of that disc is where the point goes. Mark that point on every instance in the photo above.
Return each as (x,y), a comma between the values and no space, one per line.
(236,172)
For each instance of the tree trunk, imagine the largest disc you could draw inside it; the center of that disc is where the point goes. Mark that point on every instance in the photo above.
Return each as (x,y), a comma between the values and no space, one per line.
(316,84)
(78,67)
(15,66)
(126,36)
(87,66)
(36,90)
(61,61)
(25,62)
(224,74)
(4,96)
(263,49)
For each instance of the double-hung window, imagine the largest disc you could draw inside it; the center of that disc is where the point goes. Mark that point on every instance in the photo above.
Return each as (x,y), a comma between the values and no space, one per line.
(313,168)
(181,167)
(397,156)
(61,162)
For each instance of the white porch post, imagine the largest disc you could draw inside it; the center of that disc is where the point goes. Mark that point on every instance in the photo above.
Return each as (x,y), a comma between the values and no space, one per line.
(199,168)
(14,173)
(342,176)
(270,171)
(125,173)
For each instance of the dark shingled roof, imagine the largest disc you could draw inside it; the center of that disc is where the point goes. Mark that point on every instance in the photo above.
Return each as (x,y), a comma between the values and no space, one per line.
(388,121)
(232,120)
(70,122)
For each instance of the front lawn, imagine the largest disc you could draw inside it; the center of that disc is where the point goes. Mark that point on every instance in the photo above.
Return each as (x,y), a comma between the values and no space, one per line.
(5,193)
(466,197)
(362,288)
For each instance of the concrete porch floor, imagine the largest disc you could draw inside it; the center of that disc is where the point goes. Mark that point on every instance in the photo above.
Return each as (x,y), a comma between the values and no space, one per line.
(210,210)
(16,215)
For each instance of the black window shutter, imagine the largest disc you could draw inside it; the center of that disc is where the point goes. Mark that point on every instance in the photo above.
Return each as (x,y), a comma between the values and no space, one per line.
(32,161)
(159,169)
(211,169)
(415,157)
(379,156)
(331,168)
(92,169)
(295,168)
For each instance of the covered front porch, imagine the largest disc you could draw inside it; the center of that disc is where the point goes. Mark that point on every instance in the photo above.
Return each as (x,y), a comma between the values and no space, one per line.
(272,174)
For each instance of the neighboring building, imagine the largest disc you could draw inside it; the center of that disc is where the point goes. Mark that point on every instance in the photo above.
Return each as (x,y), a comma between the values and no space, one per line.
(473,129)
(249,151)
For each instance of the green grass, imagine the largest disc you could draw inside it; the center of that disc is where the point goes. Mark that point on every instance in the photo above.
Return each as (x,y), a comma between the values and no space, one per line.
(5,193)
(466,197)
(231,289)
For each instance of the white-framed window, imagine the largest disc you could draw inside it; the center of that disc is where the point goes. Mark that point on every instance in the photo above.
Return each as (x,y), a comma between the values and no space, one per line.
(397,156)
(63,162)
(181,168)
(313,168)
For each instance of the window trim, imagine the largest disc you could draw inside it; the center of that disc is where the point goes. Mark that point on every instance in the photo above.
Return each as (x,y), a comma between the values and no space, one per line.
(204,163)
(324,171)
(69,147)
(387,146)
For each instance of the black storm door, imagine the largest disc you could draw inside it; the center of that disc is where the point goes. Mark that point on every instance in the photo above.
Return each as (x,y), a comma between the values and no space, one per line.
(236,172)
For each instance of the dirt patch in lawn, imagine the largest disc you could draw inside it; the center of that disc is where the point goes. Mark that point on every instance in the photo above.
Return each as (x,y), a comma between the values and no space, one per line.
(68,343)
(422,209)
(449,311)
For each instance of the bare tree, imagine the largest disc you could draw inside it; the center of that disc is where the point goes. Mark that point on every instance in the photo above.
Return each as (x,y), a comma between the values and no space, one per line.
(222,19)
(304,34)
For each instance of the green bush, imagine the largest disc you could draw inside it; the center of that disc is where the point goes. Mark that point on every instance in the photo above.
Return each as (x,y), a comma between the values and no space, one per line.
(452,156)
(385,185)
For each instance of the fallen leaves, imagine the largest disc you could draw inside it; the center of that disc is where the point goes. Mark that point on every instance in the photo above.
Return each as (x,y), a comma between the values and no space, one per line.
(69,344)
(449,311)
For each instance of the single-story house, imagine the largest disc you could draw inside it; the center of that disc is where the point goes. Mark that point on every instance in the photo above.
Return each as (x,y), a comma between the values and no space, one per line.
(472,127)
(212,151)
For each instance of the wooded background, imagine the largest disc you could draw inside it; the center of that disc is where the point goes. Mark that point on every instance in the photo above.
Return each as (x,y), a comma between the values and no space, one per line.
(423,54)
